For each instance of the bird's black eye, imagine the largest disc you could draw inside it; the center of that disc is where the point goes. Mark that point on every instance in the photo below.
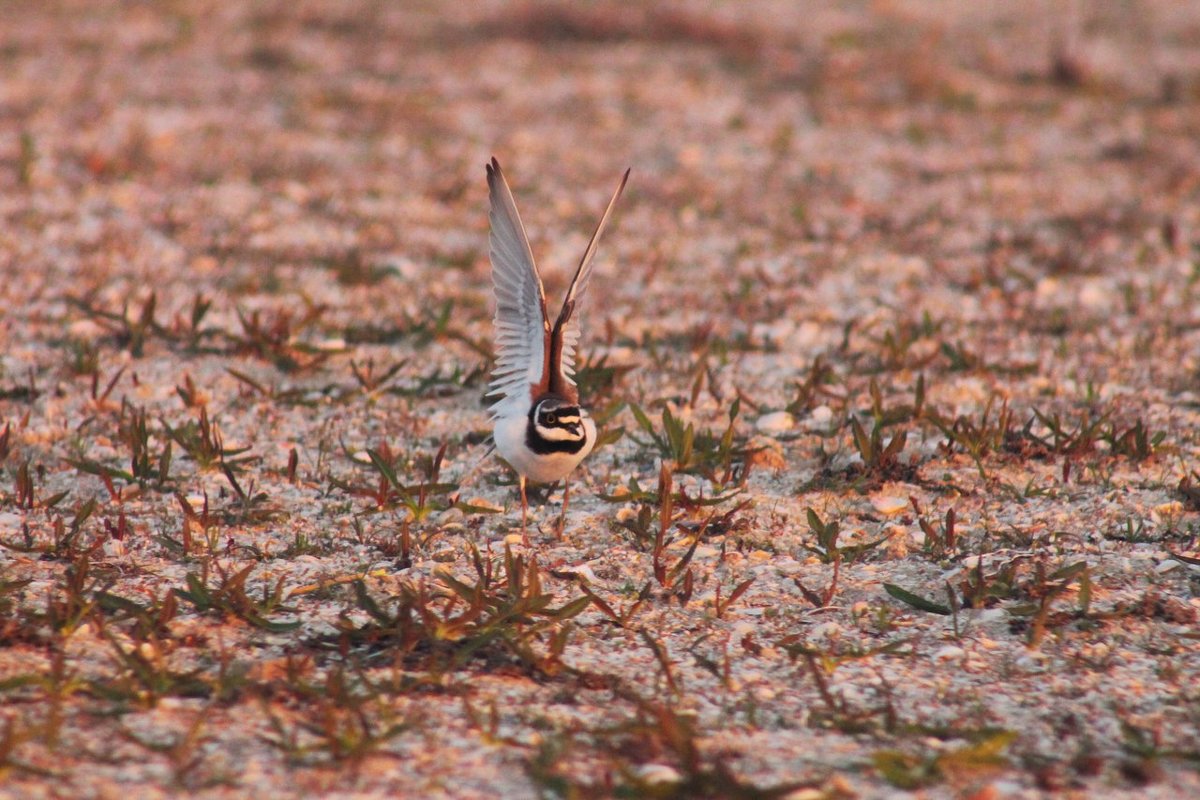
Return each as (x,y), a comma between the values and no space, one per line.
(550,419)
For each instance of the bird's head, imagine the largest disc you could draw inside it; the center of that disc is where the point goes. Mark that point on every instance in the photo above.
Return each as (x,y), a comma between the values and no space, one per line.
(557,419)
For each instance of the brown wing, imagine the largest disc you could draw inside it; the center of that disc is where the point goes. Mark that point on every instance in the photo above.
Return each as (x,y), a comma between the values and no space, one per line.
(565,334)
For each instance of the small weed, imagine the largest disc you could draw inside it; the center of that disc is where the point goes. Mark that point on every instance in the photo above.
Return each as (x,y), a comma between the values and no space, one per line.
(895,344)
(25,489)
(827,548)
(977,438)
(183,752)
(813,390)
(981,590)
(191,331)
(825,596)
(430,324)
(144,676)
(717,457)
(837,711)
(420,497)
(229,596)
(130,330)
(81,357)
(656,734)
(345,721)
(1063,437)
(598,380)
(276,394)
(621,618)
(1188,488)
(880,460)
(204,444)
(276,338)
(371,382)
(1046,588)
(1135,442)
(147,469)
(940,540)
(502,615)
(721,606)
(915,600)
(353,269)
(911,772)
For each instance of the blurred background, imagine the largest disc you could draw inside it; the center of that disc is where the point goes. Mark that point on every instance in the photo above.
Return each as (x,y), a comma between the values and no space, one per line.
(334,148)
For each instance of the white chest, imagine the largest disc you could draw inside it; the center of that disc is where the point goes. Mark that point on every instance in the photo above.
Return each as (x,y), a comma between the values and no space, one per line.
(509,434)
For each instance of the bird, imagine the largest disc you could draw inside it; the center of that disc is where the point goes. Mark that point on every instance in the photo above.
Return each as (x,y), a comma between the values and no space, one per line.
(539,426)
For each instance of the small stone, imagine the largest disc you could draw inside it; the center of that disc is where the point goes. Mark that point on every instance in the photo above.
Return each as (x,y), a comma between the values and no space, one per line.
(766,452)
(889,505)
(1170,565)
(775,422)
(657,774)
(948,653)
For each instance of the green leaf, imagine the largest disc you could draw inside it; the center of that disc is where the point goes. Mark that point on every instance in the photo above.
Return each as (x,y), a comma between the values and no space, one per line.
(385,469)
(902,770)
(915,600)
(642,420)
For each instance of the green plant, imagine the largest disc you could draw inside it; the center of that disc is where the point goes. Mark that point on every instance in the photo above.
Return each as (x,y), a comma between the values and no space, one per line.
(505,613)
(228,595)
(907,771)
(718,457)
(277,337)
(878,458)
(977,439)
(940,540)
(827,548)
(203,443)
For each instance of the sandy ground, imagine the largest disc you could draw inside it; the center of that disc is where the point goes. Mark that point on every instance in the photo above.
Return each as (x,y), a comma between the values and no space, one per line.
(941,262)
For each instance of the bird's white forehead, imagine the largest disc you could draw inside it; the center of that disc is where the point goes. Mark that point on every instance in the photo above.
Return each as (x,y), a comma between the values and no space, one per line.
(548,406)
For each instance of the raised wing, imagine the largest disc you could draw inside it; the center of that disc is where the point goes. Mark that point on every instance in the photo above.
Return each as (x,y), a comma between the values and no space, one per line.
(565,335)
(522,327)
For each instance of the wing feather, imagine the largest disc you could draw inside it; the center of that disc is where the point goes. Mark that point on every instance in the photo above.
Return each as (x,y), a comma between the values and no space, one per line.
(522,328)
(565,337)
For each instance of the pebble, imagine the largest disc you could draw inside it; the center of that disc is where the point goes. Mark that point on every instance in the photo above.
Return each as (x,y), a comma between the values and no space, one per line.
(766,452)
(949,653)
(986,615)
(657,774)
(827,630)
(1170,565)
(890,505)
(775,422)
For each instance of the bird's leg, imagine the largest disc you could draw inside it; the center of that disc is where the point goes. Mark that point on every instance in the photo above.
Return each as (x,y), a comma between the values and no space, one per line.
(562,518)
(524,510)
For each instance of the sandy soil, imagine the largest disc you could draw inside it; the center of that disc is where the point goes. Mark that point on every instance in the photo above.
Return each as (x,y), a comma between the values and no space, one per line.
(921,278)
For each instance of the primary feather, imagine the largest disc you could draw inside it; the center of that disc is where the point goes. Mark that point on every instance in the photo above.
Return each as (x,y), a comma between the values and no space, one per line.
(522,330)
(567,324)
